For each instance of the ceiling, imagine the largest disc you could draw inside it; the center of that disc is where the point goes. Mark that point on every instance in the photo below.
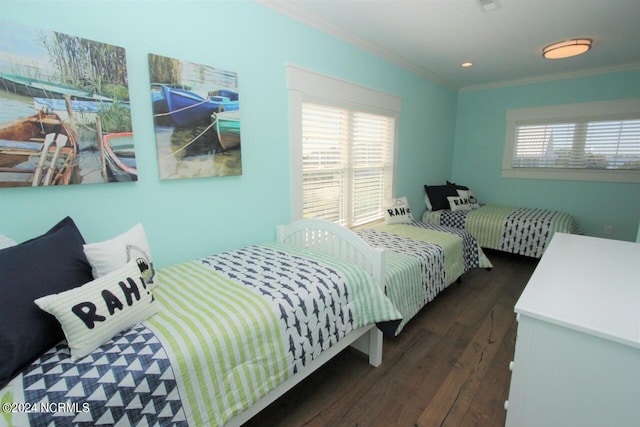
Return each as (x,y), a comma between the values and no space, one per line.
(434,37)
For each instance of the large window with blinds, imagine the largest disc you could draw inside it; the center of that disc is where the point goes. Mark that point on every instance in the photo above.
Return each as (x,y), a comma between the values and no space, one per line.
(347,163)
(343,148)
(595,141)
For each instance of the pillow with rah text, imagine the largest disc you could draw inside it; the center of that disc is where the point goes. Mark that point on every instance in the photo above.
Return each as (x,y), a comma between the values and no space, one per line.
(94,313)
(398,212)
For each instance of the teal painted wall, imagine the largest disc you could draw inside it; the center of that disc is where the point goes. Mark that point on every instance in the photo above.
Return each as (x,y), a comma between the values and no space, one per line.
(190,218)
(479,144)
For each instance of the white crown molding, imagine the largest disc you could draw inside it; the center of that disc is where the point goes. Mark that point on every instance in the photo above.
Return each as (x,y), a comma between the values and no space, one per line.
(300,14)
(552,77)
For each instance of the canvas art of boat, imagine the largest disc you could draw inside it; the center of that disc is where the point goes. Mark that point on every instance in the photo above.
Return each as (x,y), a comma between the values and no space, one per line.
(37,150)
(188,108)
(42,89)
(227,125)
(120,156)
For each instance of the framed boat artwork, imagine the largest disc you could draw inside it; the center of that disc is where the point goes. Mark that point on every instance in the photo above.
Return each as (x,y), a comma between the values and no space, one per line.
(63,102)
(196,113)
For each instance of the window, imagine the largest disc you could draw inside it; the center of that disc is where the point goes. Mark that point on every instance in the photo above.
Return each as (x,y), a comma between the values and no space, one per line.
(343,149)
(346,163)
(595,141)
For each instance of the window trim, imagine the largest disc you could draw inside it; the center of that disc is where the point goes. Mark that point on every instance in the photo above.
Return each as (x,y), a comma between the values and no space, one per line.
(601,110)
(305,85)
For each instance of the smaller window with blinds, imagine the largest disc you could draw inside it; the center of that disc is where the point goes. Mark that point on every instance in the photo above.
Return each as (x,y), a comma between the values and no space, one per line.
(595,141)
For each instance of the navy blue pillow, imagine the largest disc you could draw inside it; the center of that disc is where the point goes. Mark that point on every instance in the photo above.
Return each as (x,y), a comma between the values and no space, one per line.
(438,195)
(458,187)
(48,264)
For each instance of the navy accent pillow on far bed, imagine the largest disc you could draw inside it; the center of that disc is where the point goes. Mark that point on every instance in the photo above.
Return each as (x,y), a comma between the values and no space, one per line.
(48,264)
(438,194)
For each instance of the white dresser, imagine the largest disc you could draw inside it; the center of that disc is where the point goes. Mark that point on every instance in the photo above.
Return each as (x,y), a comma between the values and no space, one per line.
(577,357)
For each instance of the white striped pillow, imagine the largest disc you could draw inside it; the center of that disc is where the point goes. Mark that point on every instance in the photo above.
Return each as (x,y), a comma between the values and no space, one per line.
(95,312)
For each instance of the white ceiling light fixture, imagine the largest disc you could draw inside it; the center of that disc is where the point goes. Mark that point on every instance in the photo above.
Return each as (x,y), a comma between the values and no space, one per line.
(466,64)
(567,48)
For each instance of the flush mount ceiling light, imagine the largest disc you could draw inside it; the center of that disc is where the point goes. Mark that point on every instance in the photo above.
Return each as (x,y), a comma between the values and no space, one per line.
(567,48)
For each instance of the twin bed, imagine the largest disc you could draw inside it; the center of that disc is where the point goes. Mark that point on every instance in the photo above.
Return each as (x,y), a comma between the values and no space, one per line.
(234,331)
(517,230)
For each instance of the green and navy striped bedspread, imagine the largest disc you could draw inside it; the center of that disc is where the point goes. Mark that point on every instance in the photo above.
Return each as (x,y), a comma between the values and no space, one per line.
(422,260)
(523,231)
(233,326)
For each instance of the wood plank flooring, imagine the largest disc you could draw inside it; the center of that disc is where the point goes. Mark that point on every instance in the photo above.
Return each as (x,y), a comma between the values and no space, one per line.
(448,367)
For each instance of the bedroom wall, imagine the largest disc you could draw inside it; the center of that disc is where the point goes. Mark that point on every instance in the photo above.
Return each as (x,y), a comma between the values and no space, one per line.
(190,218)
(479,144)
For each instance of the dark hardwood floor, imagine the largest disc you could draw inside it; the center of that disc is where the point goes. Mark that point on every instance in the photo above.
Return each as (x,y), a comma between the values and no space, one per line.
(448,367)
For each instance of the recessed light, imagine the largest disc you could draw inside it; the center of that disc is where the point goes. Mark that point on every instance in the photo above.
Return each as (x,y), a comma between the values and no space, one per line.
(466,64)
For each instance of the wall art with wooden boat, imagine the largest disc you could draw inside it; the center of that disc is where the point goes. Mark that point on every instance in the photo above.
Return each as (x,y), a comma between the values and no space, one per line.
(196,112)
(65,116)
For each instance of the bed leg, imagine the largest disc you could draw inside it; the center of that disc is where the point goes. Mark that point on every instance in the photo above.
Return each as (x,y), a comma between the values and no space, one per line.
(375,347)
(370,344)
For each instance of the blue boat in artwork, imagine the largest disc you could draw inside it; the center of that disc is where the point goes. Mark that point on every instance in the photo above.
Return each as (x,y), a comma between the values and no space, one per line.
(187,108)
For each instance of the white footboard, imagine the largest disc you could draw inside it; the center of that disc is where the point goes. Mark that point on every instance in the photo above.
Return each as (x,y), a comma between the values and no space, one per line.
(336,240)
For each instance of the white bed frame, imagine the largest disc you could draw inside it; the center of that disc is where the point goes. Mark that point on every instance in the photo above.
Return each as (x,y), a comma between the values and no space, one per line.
(332,239)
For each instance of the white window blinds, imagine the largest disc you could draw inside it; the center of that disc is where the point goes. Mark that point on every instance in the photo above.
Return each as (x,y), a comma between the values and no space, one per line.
(591,141)
(347,163)
(606,144)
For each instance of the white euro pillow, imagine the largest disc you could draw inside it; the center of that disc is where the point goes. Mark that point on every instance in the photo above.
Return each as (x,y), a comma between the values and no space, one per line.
(112,254)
